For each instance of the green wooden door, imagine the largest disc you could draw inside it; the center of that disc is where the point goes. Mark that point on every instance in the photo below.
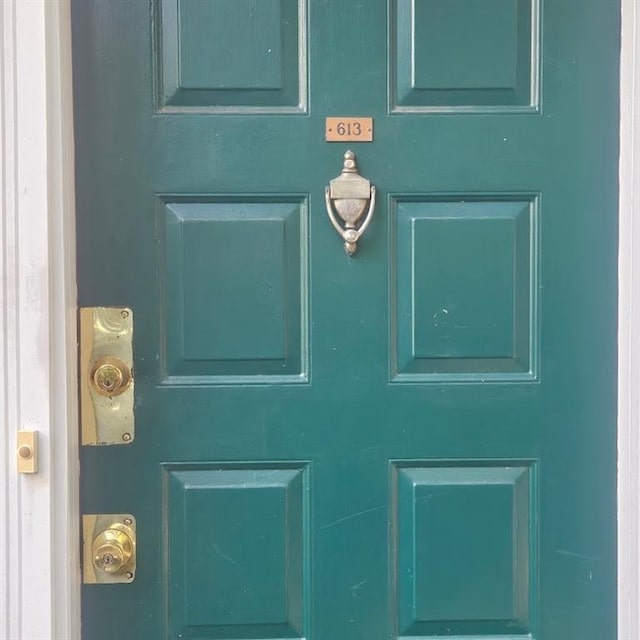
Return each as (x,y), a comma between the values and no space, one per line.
(418,441)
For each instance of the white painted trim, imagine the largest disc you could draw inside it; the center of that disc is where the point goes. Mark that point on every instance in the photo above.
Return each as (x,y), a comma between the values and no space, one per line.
(629,329)
(39,558)
(39,555)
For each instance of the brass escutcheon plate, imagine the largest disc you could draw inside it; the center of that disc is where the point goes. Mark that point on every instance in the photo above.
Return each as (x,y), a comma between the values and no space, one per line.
(106,375)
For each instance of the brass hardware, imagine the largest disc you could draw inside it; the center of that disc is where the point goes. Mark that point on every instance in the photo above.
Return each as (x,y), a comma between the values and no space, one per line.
(27,451)
(106,367)
(111,377)
(349,194)
(348,129)
(109,548)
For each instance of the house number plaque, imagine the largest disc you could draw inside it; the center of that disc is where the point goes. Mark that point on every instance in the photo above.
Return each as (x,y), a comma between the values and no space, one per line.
(339,129)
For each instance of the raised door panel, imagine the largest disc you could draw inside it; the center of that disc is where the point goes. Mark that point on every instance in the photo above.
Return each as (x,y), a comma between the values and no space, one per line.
(236,547)
(235,55)
(463,55)
(234,289)
(464,288)
(464,539)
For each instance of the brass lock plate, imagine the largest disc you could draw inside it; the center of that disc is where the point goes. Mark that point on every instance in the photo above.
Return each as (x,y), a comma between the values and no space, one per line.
(106,375)
(108,548)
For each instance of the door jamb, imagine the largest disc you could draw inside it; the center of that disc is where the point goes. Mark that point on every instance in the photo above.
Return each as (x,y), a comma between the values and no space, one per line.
(39,550)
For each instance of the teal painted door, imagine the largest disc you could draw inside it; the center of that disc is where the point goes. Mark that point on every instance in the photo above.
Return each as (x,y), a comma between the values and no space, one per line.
(418,441)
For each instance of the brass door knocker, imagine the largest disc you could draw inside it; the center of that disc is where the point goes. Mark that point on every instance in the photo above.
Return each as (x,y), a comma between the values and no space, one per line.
(349,195)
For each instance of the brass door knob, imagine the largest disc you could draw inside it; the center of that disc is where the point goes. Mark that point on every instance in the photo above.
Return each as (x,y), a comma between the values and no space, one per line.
(109,548)
(112,550)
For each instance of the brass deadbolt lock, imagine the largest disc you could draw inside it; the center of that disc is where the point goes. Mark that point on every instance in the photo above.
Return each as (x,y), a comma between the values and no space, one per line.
(110,377)
(110,548)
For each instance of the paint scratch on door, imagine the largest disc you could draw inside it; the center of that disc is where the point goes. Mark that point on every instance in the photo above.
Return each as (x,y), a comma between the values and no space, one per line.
(352,516)
(222,554)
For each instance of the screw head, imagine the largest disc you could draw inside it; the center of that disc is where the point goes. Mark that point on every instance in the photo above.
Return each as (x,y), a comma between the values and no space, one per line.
(126,437)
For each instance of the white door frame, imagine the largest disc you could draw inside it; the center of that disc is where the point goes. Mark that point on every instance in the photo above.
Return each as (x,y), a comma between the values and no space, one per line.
(629,328)
(39,546)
